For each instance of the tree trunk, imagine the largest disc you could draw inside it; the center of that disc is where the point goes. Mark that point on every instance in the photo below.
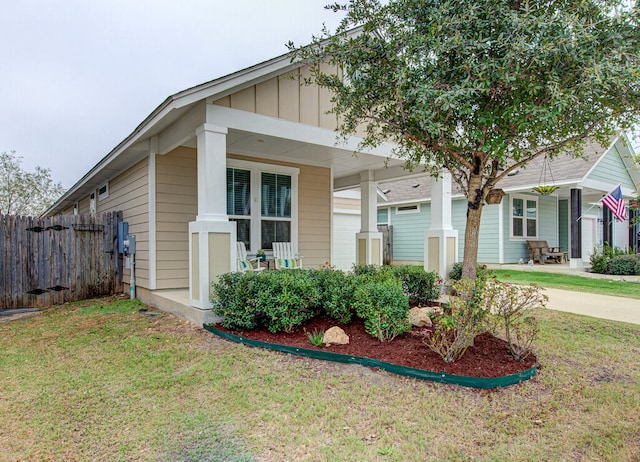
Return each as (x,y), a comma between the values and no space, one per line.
(475,202)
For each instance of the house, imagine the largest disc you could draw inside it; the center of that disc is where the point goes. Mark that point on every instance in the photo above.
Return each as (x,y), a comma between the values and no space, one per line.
(251,156)
(405,206)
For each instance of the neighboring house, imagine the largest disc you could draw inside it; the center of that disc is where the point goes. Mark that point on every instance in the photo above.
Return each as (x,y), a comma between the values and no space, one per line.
(251,156)
(523,214)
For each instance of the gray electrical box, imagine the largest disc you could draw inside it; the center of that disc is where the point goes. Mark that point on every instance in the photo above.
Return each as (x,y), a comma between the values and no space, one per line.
(129,244)
(123,232)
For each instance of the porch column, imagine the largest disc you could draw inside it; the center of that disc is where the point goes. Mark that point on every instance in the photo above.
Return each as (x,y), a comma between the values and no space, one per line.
(576,229)
(212,236)
(441,240)
(368,240)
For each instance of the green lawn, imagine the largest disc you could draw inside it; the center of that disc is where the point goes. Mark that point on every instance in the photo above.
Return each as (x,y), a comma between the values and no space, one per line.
(100,381)
(571,282)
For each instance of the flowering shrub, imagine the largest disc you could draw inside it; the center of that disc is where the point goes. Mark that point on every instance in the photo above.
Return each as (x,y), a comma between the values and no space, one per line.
(509,305)
(458,325)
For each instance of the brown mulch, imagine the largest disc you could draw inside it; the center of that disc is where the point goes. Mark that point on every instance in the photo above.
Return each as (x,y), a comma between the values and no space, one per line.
(488,357)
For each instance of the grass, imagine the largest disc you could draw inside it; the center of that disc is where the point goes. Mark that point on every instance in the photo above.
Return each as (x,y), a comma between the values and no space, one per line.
(571,282)
(101,381)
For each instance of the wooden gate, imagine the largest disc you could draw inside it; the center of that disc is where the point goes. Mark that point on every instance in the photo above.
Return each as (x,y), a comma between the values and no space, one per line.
(48,261)
(387,243)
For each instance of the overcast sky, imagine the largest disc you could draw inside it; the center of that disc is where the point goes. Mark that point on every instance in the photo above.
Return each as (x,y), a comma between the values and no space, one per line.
(77,76)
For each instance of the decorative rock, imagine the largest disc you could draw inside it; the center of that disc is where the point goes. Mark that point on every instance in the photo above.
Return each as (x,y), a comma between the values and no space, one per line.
(335,336)
(419,317)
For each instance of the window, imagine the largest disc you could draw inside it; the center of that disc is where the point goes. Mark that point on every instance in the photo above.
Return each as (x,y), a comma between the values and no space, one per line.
(92,203)
(524,217)
(273,190)
(76,208)
(408,209)
(103,192)
(239,202)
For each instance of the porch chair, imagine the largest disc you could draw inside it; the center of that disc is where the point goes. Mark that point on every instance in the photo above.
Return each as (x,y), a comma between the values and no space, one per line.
(285,257)
(244,263)
(540,250)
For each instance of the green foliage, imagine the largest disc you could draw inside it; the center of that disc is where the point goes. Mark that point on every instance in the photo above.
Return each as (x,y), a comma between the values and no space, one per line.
(613,260)
(456,272)
(384,308)
(235,298)
(287,299)
(419,285)
(623,265)
(316,337)
(456,327)
(337,290)
(480,87)
(508,305)
(25,193)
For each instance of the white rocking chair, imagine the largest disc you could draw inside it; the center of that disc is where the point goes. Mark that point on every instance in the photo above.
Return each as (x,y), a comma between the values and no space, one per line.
(285,257)
(244,263)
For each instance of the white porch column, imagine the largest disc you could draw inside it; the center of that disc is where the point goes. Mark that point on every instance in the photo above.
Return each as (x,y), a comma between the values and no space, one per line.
(368,240)
(441,240)
(212,243)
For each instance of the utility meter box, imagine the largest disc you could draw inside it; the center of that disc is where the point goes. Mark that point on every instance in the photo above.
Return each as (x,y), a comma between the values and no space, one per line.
(123,232)
(129,244)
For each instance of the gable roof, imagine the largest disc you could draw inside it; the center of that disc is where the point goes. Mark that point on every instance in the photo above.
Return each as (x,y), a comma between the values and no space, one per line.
(564,170)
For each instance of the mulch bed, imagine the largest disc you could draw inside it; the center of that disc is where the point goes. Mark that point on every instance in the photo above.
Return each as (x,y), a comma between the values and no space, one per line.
(488,357)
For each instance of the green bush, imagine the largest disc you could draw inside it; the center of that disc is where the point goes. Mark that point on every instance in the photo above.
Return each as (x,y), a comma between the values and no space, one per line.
(336,297)
(287,299)
(599,262)
(456,272)
(623,264)
(384,308)
(419,285)
(235,298)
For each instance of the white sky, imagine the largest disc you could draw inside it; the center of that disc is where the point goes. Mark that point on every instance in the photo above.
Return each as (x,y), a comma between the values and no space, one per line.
(77,76)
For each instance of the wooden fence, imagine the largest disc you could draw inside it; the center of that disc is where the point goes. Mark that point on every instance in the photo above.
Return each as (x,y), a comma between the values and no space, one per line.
(47,261)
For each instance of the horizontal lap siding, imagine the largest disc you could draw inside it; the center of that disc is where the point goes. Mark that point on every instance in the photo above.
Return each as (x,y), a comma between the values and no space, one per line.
(129,192)
(409,233)
(314,215)
(611,170)
(176,206)
(489,242)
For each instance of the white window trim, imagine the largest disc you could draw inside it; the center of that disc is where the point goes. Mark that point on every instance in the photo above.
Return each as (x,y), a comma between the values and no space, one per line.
(104,195)
(408,211)
(76,208)
(256,168)
(524,217)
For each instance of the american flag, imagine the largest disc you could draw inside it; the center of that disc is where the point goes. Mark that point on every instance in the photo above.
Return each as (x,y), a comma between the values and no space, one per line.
(614,202)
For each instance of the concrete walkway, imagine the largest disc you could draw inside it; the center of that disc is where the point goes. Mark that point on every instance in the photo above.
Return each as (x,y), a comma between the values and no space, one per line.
(598,306)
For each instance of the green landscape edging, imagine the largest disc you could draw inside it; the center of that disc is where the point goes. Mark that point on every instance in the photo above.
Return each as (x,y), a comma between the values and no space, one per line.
(441,377)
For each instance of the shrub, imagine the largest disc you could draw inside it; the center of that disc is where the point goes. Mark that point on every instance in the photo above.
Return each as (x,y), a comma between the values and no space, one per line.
(419,285)
(456,272)
(622,264)
(384,308)
(337,289)
(508,305)
(371,270)
(235,298)
(287,299)
(458,325)
(599,262)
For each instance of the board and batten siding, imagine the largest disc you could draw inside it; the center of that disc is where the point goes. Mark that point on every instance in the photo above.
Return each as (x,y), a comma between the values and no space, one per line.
(286,97)
(612,170)
(176,206)
(129,192)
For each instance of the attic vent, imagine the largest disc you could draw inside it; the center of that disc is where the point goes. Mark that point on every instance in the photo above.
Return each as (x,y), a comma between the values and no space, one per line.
(408,209)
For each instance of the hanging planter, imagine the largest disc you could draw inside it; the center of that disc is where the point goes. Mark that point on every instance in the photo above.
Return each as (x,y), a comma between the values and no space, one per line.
(545,190)
(495,196)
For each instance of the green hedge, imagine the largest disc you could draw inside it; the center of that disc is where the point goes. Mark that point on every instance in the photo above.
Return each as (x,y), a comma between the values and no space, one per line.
(284,300)
(614,261)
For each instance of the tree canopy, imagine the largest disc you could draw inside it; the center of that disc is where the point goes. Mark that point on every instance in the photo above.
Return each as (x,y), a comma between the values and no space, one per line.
(25,193)
(480,87)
